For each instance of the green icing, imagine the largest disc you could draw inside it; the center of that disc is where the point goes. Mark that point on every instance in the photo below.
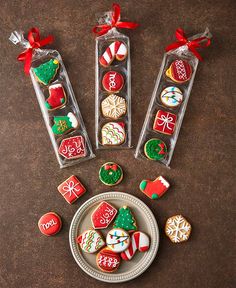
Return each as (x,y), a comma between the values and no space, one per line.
(155,149)
(46,71)
(110,176)
(61,125)
(143,185)
(154,196)
(125,220)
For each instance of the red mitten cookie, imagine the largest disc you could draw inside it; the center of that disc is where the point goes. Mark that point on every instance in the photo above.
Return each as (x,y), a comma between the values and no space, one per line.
(103,215)
(154,189)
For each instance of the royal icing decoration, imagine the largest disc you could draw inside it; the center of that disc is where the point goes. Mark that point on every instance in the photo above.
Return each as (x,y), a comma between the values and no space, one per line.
(73,147)
(113,81)
(113,107)
(71,189)
(164,122)
(107,260)
(171,96)
(90,241)
(50,224)
(125,220)
(177,229)
(118,240)
(46,72)
(116,50)
(57,97)
(110,174)
(180,71)
(113,133)
(154,189)
(155,149)
(63,124)
(139,241)
(103,215)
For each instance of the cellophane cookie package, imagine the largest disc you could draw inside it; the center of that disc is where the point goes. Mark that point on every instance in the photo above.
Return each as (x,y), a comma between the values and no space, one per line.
(56,99)
(170,97)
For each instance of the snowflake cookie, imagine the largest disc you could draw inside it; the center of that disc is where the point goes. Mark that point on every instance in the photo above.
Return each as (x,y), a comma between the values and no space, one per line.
(178,229)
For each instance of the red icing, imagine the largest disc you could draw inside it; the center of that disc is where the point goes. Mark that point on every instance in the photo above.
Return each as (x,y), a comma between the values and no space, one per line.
(73,147)
(57,96)
(103,215)
(164,122)
(155,187)
(181,71)
(71,189)
(113,81)
(108,260)
(104,62)
(49,224)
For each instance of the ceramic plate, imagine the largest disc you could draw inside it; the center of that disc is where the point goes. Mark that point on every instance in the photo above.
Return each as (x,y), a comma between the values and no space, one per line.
(146,223)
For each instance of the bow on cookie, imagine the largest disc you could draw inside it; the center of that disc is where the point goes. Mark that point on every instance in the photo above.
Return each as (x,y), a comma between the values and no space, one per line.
(70,188)
(112,167)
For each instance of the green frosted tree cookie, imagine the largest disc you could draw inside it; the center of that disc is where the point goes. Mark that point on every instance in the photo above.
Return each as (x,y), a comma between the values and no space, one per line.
(46,72)
(125,220)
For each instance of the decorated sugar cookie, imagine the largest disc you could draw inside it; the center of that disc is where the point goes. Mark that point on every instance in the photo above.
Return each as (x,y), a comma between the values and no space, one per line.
(179,71)
(118,240)
(113,133)
(178,229)
(50,224)
(164,122)
(103,215)
(57,97)
(171,97)
(113,107)
(154,189)
(107,260)
(116,50)
(47,71)
(155,149)
(139,241)
(110,174)
(113,81)
(73,147)
(64,124)
(90,241)
(125,220)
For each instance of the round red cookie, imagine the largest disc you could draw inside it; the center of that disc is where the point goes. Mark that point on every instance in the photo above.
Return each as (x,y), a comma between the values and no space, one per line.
(180,71)
(113,81)
(50,224)
(107,260)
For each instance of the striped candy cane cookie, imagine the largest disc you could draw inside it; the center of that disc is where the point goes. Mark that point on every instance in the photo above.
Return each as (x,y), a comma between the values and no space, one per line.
(116,50)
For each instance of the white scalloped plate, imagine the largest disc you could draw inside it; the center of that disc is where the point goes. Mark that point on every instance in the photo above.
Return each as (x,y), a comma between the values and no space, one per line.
(146,222)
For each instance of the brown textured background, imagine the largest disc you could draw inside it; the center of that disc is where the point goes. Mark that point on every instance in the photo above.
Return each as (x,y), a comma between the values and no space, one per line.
(202,171)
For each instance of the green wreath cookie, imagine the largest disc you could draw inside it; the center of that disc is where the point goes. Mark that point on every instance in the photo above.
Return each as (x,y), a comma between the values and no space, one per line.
(110,174)
(155,149)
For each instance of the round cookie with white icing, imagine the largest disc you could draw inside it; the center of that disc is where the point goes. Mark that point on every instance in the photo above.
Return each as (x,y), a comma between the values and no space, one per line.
(90,241)
(171,97)
(118,240)
(113,107)
(113,133)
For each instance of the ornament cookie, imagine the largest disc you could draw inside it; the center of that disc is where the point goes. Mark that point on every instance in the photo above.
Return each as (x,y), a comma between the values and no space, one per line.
(112,81)
(118,240)
(155,149)
(110,174)
(164,122)
(103,215)
(113,133)
(154,189)
(179,71)
(171,97)
(71,189)
(178,229)
(90,241)
(73,147)
(125,220)
(113,107)
(50,224)
(139,241)
(57,97)
(47,71)
(116,50)
(107,260)
(64,124)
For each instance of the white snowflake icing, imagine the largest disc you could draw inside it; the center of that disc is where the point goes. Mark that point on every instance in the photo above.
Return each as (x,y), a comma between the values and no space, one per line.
(178,229)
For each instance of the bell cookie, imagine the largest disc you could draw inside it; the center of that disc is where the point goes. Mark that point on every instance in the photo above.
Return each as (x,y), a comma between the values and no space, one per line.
(178,229)
(107,260)
(164,122)
(73,147)
(110,174)
(47,71)
(113,133)
(171,97)
(116,50)
(155,149)
(112,81)
(179,71)
(113,107)
(57,97)
(64,124)
(90,241)
(154,189)
(118,240)
(103,215)
(125,220)
(50,224)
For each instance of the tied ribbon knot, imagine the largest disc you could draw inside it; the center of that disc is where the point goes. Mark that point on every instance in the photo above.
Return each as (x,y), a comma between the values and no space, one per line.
(166,120)
(112,167)
(34,42)
(182,40)
(103,29)
(70,188)
(161,152)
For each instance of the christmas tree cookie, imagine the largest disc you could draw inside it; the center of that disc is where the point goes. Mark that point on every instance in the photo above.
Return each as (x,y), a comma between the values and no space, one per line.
(125,220)
(46,72)
(63,124)
(57,97)
(154,189)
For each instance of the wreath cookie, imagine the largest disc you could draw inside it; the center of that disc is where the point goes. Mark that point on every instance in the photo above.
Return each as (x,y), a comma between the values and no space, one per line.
(155,149)
(110,174)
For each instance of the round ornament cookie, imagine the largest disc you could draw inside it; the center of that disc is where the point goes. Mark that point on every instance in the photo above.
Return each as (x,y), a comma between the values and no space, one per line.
(50,224)
(118,240)
(112,81)
(113,133)
(47,71)
(155,149)
(179,71)
(113,107)
(178,229)
(90,241)
(110,174)
(107,260)
(116,50)
(171,97)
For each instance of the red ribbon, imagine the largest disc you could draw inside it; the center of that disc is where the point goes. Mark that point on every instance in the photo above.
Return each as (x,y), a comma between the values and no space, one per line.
(192,45)
(103,29)
(35,42)
(113,167)
(162,146)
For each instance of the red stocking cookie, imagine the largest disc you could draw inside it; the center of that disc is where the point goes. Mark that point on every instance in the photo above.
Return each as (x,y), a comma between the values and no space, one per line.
(116,50)
(154,189)
(57,97)
(103,215)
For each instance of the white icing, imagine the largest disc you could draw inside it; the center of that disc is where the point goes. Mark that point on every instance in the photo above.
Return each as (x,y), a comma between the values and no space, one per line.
(107,57)
(122,50)
(118,240)
(112,48)
(112,134)
(113,106)
(49,224)
(54,86)
(171,96)
(164,182)
(178,229)
(73,120)
(91,241)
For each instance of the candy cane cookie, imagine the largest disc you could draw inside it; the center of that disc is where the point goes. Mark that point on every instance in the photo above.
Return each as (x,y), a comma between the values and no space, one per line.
(116,49)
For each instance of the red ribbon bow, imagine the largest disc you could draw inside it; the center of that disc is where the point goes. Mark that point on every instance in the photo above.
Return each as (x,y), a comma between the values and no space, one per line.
(162,146)
(192,45)
(113,167)
(103,29)
(35,42)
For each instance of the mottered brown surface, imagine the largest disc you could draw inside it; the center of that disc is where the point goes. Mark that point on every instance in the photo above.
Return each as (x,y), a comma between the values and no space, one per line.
(202,171)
